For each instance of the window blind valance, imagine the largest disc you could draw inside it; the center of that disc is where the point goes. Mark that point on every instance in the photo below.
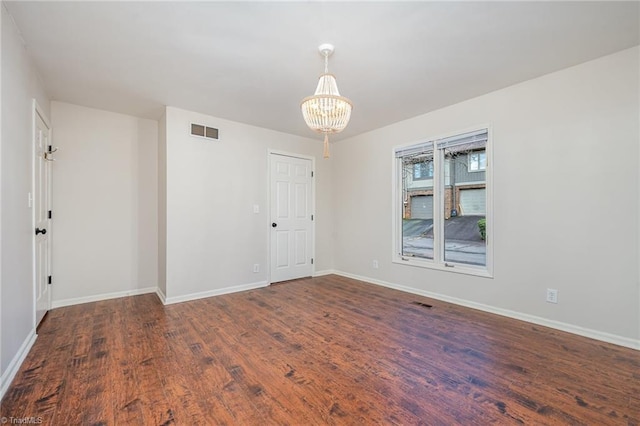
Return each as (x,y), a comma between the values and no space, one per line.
(464,141)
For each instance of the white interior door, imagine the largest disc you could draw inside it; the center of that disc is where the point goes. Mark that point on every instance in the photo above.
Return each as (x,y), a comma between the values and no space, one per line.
(291,218)
(42,206)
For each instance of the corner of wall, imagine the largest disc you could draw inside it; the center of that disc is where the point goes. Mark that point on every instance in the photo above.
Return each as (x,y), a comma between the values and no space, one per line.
(162,206)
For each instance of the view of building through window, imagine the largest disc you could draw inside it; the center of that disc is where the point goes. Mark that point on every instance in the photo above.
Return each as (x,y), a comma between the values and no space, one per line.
(449,175)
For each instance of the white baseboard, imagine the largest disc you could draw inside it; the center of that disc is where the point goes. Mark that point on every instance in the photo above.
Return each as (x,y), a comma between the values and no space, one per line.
(99,297)
(325,272)
(161,296)
(16,362)
(216,292)
(570,328)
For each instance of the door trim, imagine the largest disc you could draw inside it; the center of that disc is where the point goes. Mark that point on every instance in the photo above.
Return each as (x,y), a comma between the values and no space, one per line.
(38,111)
(271,152)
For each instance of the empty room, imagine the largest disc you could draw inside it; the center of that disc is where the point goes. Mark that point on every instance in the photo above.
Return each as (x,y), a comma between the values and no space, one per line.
(320,212)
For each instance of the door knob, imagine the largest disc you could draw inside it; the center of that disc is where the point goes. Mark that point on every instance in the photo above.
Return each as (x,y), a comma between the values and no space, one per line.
(41,231)
(273,225)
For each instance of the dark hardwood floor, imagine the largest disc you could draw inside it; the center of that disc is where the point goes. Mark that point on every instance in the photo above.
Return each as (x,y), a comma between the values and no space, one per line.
(326,350)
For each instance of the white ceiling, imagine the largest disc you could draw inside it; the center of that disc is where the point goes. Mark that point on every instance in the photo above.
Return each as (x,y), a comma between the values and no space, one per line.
(253,62)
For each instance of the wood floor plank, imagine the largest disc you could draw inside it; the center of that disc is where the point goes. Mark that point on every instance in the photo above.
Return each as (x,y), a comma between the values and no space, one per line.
(328,350)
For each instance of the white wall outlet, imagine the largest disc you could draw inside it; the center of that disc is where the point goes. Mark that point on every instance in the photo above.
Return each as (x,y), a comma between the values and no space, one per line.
(375,264)
(256,267)
(552,295)
(256,208)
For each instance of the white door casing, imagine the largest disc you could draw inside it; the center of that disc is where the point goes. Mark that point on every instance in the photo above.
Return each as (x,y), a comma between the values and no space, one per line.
(291,199)
(41,208)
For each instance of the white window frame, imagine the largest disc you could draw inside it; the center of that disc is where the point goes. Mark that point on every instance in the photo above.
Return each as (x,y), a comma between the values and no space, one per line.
(438,262)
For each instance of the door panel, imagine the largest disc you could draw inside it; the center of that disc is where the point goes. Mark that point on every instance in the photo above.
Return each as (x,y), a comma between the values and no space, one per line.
(301,200)
(292,225)
(301,246)
(282,200)
(282,249)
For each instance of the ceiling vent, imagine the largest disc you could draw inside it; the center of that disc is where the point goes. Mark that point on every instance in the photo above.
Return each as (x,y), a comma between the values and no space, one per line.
(202,131)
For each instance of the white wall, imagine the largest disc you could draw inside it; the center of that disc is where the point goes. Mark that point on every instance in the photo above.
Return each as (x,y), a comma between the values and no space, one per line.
(213,236)
(105,198)
(566,160)
(20,85)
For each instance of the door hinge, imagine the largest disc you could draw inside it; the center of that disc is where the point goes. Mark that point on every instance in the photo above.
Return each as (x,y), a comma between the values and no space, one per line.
(49,280)
(312,260)
(49,214)
(312,173)
(49,148)
(311,217)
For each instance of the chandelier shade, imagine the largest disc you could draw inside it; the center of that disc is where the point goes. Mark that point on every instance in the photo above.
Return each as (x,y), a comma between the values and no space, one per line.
(326,111)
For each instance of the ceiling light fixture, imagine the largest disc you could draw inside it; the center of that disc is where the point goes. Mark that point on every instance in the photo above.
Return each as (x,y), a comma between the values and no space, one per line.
(326,111)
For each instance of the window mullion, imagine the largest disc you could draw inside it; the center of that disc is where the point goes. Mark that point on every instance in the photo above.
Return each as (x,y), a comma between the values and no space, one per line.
(399,205)
(438,192)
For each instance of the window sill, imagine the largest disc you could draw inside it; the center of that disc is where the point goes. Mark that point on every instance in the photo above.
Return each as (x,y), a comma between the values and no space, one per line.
(455,267)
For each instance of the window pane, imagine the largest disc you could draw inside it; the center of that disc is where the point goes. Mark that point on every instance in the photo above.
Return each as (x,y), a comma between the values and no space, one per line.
(417,205)
(477,161)
(474,164)
(423,170)
(417,172)
(465,205)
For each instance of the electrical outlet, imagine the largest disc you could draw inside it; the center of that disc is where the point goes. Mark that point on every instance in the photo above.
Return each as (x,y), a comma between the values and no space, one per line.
(256,208)
(375,264)
(256,267)
(552,295)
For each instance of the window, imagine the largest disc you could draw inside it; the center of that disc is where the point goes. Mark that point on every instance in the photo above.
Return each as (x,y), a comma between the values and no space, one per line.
(477,161)
(441,202)
(423,170)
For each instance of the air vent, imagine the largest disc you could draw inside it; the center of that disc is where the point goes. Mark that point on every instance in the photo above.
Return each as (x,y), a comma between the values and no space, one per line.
(202,131)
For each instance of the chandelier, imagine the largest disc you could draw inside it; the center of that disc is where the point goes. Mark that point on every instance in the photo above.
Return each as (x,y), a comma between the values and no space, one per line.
(326,111)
